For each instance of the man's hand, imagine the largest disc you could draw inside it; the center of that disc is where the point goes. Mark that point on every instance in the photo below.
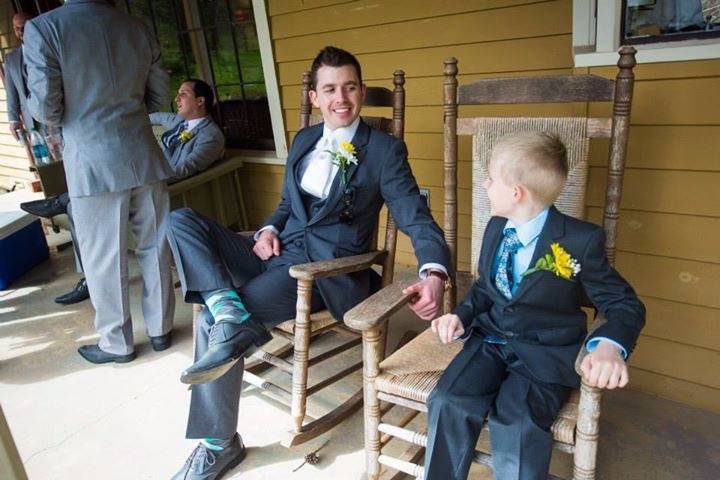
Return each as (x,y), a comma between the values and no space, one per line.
(428,300)
(13,129)
(604,367)
(448,327)
(267,245)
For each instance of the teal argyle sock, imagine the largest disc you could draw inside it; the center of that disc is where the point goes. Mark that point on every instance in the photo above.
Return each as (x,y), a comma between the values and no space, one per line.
(225,305)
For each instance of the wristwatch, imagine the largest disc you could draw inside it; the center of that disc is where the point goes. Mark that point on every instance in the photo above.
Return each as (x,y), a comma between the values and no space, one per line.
(445,278)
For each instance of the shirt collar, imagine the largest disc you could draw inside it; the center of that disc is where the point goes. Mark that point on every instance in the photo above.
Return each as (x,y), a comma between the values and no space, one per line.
(342,134)
(530,230)
(194,122)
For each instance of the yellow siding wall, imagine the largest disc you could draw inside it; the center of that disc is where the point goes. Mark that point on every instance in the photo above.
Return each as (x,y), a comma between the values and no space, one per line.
(13,158)
(668,245)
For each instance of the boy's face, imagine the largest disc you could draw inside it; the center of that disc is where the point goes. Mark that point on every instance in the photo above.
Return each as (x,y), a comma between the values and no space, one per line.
(338,94)
(502,195)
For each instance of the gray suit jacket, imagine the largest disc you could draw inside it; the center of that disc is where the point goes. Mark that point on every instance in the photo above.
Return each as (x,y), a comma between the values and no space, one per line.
(206,146)
(17,93)
(95,71)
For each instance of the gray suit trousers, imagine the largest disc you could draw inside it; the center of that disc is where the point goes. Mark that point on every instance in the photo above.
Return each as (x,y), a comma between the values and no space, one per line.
(102,224)
(208,257)
(489,379)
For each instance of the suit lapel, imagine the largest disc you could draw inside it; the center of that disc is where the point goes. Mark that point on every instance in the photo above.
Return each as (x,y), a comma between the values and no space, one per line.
(494,237)
(296,155)
(360,140)
(195,132)
(553,229)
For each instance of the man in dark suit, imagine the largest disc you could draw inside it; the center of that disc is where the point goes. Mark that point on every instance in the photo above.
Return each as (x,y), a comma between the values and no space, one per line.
(327,211)
(523,322)
(15,85)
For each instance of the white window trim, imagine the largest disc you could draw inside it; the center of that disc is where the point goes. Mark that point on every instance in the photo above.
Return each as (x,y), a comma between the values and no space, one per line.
(271,84)
(596,40)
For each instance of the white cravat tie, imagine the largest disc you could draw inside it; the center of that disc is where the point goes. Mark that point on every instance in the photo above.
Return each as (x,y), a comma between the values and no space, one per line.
(318,176)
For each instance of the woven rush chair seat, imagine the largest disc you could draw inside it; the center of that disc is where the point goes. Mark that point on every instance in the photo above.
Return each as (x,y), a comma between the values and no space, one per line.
(413,374)
(318,321)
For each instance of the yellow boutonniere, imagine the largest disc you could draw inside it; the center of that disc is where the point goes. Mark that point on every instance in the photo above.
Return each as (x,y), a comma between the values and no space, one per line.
(558,261)
(345,155)
(186,135)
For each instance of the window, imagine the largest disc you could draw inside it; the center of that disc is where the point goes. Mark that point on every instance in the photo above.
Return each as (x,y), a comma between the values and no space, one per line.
(651,21)
(217,40)
(661,30)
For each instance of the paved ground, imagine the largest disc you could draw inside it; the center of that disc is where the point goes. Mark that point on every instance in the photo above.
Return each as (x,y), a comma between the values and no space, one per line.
(74,420)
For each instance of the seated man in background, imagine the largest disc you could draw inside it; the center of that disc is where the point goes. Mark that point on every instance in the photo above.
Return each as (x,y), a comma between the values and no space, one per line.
(192,142)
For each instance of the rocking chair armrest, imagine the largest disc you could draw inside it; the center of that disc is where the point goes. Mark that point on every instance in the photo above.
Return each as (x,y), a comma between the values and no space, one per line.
(336,266)
(597,323)
(376,308)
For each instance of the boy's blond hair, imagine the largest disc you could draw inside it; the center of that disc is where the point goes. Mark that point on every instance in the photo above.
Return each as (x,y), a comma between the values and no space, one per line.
(535,160)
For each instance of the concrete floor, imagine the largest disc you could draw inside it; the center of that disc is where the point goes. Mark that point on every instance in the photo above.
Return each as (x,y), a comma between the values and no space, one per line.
(75,420)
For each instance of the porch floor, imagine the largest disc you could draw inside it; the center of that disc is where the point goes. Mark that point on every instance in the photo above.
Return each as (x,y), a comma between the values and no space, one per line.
(74,420)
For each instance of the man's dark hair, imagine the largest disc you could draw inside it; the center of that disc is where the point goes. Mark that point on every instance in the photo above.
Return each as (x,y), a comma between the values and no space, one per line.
(333,57)
(202,89)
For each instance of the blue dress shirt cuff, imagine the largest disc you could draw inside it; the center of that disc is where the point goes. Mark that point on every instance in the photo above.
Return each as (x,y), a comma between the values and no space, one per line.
(594,342)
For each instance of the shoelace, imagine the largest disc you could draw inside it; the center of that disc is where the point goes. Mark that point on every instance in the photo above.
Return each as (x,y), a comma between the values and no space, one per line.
(200,457)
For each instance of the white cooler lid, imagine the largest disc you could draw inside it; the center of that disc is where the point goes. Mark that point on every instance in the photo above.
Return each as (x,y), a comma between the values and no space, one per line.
(12,218)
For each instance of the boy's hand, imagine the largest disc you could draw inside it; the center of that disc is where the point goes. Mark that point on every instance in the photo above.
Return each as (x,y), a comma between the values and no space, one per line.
(447,327)
(604,367)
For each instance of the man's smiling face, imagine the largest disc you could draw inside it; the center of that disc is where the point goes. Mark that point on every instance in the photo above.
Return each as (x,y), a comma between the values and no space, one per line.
(338,94)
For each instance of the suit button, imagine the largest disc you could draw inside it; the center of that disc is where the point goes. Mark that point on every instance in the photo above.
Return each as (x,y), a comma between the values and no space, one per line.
(509,334)
(298,243)
(510,310)
(308,229)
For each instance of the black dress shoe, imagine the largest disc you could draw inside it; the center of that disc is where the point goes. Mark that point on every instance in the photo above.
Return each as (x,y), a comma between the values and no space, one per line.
(207,464)
(46,208)
(229,341)
(162,342)
(79,293)
(94,354)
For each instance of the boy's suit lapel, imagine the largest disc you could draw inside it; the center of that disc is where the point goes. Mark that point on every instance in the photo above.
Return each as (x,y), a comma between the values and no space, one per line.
(360,141)
(553,230)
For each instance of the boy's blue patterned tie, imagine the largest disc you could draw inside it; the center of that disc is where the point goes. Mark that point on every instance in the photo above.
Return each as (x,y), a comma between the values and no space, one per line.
(503,277)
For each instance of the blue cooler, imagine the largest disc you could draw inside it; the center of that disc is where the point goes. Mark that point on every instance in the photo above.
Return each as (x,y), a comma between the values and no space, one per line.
(22,240)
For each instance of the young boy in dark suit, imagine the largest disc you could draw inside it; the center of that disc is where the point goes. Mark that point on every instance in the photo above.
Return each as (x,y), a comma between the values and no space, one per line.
(523,322)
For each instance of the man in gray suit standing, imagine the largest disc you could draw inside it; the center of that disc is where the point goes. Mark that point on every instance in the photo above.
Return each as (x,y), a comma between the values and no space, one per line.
(15,86)
(186,153)
(96,72)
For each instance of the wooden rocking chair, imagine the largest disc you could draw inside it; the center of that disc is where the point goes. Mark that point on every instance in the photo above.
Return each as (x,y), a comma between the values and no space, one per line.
(408,376)
(298,332)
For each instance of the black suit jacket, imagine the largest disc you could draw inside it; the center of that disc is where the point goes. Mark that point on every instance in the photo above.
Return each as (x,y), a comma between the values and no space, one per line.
(382,175)
(543,321)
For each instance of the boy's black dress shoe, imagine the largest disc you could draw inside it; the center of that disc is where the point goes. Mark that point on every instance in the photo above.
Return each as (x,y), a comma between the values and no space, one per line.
(94,354)
(229,341)
(162,342)
(79,293)
(207,464)
(46,208)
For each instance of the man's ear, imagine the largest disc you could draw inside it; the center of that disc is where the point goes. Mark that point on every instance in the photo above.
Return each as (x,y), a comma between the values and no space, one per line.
(313,98)
(363,90)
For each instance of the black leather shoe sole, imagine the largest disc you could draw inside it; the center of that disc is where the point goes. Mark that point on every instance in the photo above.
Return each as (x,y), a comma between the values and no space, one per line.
(46,208)
(217,370)
(93,354)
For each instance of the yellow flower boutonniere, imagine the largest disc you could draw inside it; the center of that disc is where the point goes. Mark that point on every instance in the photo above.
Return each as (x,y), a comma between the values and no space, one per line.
(344,157)
(186,135)
(558,261)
